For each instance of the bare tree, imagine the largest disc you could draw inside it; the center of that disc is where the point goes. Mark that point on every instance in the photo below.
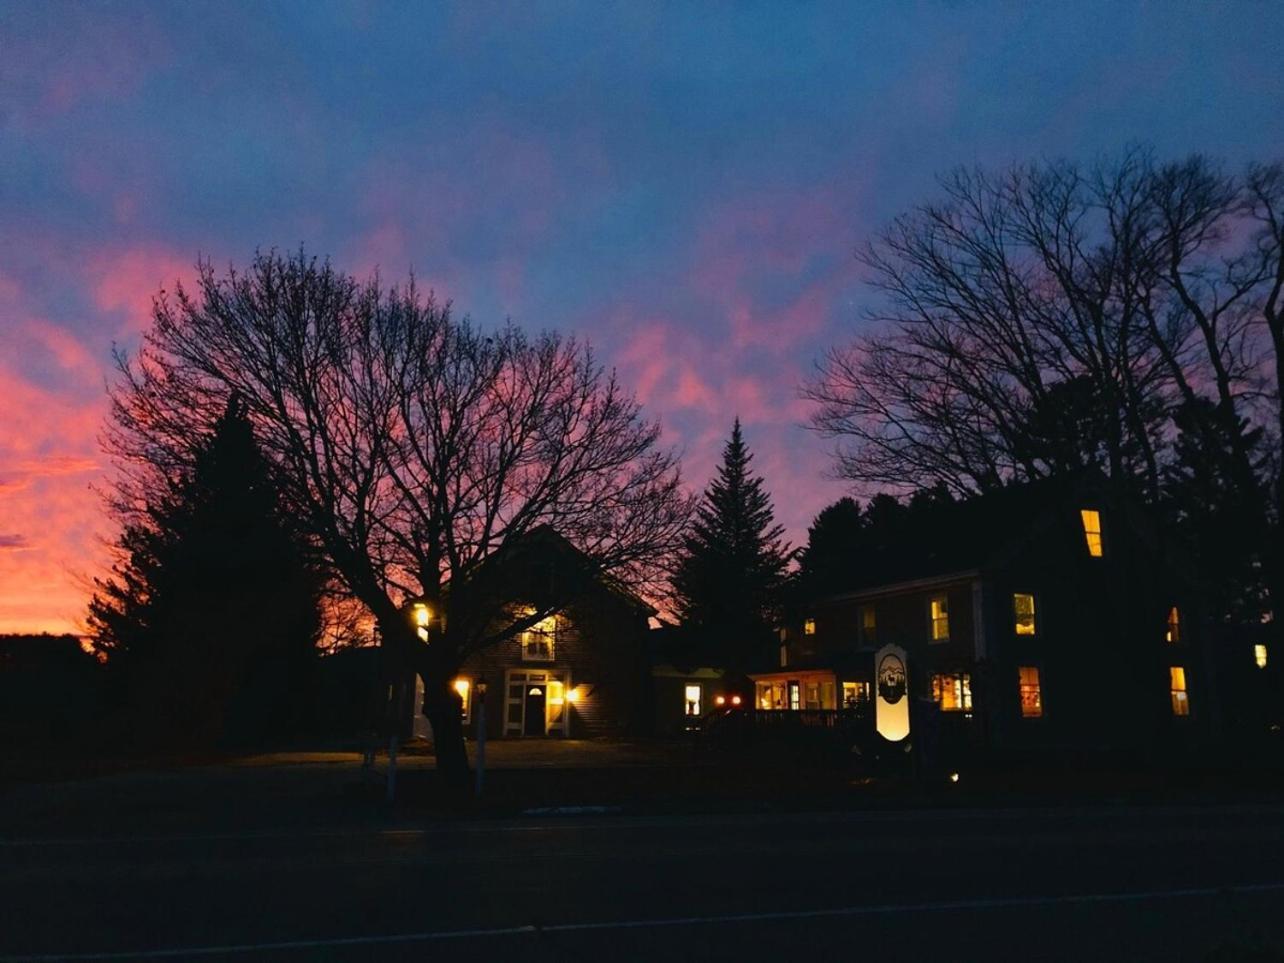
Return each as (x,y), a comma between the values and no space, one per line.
(1053,316)
(418,452)
(1015,287)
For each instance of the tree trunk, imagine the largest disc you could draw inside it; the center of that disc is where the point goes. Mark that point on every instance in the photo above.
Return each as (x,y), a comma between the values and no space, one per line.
(443,708)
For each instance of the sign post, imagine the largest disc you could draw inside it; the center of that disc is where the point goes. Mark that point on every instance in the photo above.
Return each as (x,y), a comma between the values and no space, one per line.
(481,736)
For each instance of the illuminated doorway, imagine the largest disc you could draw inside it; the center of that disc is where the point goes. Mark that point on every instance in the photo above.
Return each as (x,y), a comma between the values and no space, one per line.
(535,703)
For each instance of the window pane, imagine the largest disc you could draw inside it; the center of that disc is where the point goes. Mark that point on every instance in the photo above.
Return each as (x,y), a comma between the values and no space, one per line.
(1023,609)
(953,692)
(1259,655)
(691,698)
(1177,685)
(1031,694)
(855,694)
(1174,625)
(940,614)
(1092,530)
(868,624)
(809,627)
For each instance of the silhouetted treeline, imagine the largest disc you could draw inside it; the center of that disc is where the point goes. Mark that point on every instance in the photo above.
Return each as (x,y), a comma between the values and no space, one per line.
(51,688)
(1124,317)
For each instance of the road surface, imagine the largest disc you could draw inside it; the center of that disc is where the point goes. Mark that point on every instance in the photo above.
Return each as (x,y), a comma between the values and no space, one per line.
(1108,883)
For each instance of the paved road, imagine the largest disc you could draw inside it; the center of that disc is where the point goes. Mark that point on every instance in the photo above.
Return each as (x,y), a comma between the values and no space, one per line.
(1083,884)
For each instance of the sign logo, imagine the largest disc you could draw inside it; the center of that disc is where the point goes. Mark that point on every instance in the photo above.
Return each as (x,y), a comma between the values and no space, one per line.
(891,678)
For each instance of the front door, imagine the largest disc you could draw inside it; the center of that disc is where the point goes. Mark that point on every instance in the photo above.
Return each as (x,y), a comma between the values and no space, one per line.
(535,701)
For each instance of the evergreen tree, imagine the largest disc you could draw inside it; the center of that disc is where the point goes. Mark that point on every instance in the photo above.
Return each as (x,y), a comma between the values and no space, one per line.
(210,620)
(731,572)
(832,543)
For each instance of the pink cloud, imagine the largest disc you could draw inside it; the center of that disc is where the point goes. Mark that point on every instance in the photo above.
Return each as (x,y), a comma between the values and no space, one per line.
(53,521)
(125,281)
(755,247)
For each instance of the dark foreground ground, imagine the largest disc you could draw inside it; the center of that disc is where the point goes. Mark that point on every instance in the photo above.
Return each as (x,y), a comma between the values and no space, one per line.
(295,858)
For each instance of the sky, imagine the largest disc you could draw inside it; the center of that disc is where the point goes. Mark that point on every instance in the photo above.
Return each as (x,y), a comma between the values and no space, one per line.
(683,185)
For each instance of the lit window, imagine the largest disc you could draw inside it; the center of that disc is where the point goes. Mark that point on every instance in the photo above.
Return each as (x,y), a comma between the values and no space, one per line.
(868,624)
(422,616)
(940,611)
(1174,625)
(811,694)
(795,695)
(1092,530)
(771,695)
(691,699)
(556,693)
(952,692)
(809,627)
(1259,655)
(462,688)
(1177,688)
(1031,694)
(540,640)
(1023,609)
(855,694)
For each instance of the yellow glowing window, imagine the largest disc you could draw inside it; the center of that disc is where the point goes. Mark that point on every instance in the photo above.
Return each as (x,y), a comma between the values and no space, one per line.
(809,627)
(1031,693)
(540,640)
(691,700)
(868,624)
(1174,625)
(855,694)
(1177,688)
(1023,610)
(940,614)
(1259,655)
(1092,530)
(462,688)
(422,615)
(953,691)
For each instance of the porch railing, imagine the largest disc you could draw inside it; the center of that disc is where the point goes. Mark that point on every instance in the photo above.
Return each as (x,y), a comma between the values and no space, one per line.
(807,718)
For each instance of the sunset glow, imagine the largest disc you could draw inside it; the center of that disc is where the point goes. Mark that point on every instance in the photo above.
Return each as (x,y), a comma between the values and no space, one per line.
(690,204)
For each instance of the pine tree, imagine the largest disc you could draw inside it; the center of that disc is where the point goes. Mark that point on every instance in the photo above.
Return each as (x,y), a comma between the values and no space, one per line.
(730,575)
(832,550)
(210,620)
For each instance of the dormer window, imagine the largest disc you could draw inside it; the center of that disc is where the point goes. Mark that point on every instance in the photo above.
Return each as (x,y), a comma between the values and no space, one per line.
(1174,626)
(809,626)
(939,612)
(1092,530)
(1023,613)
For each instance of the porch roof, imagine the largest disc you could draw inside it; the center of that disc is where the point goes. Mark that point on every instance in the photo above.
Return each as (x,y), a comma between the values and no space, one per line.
(851,666)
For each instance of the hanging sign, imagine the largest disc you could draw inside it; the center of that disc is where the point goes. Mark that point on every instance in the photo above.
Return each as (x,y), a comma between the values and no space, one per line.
(891,699)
